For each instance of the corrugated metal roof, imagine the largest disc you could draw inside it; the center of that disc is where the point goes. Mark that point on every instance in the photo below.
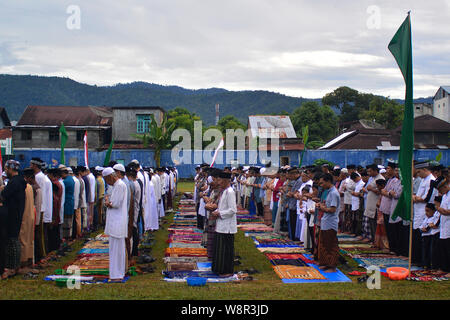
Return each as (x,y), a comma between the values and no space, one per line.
(69,115)
(271,127)
(446,88)
(336,140)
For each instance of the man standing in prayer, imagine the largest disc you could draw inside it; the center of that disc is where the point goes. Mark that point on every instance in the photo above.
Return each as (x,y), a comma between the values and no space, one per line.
(76,203)
(69,203)
(37,196)
(294,184)
(92,181)
(386,205)
(328,242)
(13,197)
(116,224)
(54,236)
(373,195)
(46,209)
(87,196)
(137,204)
(26,235)
(226,227)
(151,221)
(420,200)
(99,195)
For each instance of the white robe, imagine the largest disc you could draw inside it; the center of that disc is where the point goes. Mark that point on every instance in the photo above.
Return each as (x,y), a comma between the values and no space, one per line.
(151,210)
(117,216)
(117,258)
(47,196)
(63,200)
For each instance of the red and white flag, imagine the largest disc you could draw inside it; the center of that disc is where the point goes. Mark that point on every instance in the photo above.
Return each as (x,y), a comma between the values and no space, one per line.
(221,143)
(86,160)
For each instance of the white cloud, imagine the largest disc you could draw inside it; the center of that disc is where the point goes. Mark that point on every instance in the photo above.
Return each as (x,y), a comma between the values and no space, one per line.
(299,48)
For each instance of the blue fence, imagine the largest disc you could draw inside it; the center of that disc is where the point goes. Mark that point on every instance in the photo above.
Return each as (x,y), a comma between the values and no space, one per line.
(186,168)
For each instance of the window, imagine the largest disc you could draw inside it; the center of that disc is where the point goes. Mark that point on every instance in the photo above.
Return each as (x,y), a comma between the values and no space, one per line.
(27,134)
(53,135)
(143,123)
(80,135)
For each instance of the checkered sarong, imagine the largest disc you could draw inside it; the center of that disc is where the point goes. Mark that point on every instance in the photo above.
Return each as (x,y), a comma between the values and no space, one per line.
(366,233)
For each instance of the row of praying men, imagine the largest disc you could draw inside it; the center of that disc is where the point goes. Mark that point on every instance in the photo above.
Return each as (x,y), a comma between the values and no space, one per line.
(43,210)
(312,204)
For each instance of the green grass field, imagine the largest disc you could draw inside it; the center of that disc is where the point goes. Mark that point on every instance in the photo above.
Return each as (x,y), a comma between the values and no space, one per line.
(266,285)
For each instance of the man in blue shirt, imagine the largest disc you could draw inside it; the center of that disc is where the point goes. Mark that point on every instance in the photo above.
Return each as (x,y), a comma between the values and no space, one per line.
(328,242)
(69,203)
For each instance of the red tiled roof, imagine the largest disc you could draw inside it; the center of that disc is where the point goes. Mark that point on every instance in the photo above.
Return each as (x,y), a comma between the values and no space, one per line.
(69,115)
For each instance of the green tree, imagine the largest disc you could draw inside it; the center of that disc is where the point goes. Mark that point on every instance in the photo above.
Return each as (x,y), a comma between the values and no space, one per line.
(384,111)
(158,137)
(322,122)
(230,122)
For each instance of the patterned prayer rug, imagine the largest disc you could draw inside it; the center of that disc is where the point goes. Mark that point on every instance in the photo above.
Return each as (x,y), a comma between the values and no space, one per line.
(294,272)
(289,262)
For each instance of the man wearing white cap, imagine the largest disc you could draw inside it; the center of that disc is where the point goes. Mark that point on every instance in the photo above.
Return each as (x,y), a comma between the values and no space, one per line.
(92,182)
(116,224)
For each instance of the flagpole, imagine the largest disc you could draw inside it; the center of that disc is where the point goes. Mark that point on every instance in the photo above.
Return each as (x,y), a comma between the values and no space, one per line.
(412,217)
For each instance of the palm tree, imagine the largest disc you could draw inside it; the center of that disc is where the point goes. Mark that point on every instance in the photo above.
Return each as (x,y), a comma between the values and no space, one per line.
(158,136)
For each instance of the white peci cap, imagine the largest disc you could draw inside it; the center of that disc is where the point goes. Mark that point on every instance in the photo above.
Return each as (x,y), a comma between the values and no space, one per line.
(107,171)
(119,167)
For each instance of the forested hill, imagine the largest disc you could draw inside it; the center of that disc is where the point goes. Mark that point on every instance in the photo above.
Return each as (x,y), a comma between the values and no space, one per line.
(19,91)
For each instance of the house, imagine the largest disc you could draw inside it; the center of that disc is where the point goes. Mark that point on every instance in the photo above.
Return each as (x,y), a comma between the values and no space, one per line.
(441,103)
(38,128)
(421,109)
(268,128)
(129,121)
(429,133)
(363,134)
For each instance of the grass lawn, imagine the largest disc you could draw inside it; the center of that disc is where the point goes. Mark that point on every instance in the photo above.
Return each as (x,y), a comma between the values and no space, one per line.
(266,285)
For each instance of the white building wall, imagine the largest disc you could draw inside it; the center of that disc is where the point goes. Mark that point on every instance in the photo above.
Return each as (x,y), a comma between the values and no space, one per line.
(441,108)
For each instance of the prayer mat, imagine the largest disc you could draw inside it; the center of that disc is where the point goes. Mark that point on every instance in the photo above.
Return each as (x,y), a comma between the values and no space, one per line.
(184,259)
(352,245)
(185,245)
(289,262)
(186,251)
(265,235)
(282,250)
(178,266)
(427,275)
(384,263)
(208,279)
(272,256)
(294,272)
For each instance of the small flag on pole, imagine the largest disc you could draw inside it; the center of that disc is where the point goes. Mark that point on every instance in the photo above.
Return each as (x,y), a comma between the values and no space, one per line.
(108,154)
(86,160)
(221,143)
(63,132)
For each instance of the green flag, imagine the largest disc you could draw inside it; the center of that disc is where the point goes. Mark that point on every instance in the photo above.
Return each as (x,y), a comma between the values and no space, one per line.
(64,137)
(401,48)
(305,136)
(108,153)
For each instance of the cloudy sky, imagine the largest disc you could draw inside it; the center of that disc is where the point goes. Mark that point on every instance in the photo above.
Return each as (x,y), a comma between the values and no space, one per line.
(295,47)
